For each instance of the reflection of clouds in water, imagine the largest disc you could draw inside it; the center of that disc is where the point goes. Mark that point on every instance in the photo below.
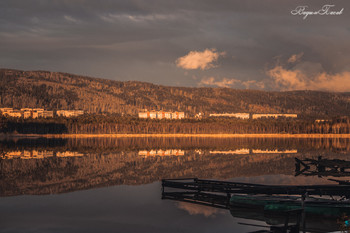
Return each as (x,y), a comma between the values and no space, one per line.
(194,209)
(283,180)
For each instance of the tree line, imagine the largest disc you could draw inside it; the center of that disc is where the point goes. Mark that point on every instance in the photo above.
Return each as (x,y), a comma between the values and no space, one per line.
(116,124)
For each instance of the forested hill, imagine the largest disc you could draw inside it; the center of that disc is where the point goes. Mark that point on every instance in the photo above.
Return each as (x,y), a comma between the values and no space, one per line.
(51,90)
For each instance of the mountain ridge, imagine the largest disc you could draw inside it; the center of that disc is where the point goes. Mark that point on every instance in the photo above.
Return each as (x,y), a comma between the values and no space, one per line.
(58,90)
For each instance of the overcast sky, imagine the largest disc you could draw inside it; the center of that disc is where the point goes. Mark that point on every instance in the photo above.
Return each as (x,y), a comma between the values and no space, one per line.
(256,44)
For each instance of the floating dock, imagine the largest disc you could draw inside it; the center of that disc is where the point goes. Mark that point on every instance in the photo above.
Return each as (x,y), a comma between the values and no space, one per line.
(195,185)
(291,208)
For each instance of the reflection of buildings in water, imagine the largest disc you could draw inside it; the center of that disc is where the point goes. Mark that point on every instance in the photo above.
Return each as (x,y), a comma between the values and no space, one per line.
(36,154)
(200,152)
(244,151)
(170,152)
(274,151)
(239,152)
(12,154)
(69,154)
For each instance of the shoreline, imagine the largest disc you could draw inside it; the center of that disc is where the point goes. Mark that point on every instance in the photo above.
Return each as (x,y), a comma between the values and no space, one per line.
(175,135)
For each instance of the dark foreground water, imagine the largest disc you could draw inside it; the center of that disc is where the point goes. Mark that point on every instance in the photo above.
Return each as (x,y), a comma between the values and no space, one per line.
(113,185)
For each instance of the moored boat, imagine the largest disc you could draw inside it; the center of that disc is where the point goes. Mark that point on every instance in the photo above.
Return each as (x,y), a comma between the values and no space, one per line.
(322,206)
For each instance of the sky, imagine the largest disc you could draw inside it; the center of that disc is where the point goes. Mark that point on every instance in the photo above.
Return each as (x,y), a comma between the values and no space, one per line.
(250,44)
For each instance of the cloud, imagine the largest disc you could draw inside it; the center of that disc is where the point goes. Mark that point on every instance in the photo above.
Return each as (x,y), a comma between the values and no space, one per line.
(292,74)
(70,19)
(231,83)
(295,57)
(142,18)
(128,40)
(287,79)
(301,78)
(199,60)
(212,82)
(194,209)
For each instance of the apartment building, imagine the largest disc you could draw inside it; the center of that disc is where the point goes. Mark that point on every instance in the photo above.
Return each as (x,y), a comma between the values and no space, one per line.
(161,115)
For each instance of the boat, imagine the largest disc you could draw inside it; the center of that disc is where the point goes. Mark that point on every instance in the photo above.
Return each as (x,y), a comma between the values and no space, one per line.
(312,205)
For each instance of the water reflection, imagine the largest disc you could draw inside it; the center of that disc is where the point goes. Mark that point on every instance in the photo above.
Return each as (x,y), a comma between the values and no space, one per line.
(171,152)
(38,154)
(252,151)
(262,145)
(56,166)
(43,166)
(322,167)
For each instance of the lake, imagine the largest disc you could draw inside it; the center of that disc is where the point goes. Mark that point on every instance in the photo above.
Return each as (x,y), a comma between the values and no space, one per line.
(114,184)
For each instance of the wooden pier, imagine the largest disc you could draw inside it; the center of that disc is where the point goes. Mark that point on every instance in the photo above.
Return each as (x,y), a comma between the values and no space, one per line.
(195,185)
(218,194)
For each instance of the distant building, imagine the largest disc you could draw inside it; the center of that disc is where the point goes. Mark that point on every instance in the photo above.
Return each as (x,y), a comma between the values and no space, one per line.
(38,109)
(26,109)
(161,115)
(153,115)
(320,120)
(27,114)
(13,113)
(257,116)
(144,115)
(69,113)
(168,115)
(38,112)
(47,114)
(236,115)
(6,109)
(178,115)
(253,116)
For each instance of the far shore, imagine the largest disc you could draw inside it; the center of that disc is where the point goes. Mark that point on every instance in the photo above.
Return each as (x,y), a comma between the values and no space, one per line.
(175,135)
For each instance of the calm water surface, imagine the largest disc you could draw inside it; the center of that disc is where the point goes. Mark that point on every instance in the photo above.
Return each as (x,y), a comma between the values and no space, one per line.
(113,185)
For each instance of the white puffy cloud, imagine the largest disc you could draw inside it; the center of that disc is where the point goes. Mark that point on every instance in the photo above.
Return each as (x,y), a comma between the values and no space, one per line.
(292,74)
(298,78)
(199,60)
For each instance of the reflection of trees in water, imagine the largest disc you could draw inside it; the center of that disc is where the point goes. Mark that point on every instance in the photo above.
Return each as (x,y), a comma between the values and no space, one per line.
(98,170)
(211,143)
(57,174)
(109,144)
(113,161)
(32,143)
(335,144)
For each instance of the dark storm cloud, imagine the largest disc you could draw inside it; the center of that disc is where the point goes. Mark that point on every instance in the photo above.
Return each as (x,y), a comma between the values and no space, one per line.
(141,40)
